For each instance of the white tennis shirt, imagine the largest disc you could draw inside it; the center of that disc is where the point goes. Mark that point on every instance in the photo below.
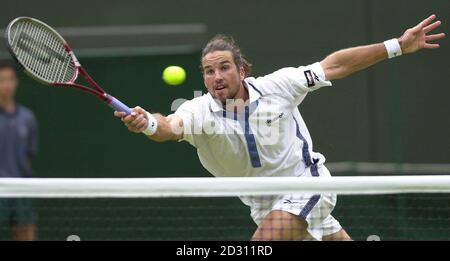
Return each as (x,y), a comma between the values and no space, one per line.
(269,138)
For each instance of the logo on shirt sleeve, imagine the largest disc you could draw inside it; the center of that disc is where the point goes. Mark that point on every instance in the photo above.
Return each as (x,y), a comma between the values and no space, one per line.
(311,78)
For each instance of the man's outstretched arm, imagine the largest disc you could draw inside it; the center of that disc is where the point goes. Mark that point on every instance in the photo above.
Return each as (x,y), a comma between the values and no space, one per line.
(345,62)
(168,128)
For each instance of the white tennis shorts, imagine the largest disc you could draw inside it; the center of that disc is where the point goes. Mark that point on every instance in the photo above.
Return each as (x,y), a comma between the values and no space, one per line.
(314,208)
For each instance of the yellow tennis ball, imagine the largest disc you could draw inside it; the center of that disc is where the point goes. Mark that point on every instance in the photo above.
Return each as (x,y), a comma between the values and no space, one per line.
(174,75)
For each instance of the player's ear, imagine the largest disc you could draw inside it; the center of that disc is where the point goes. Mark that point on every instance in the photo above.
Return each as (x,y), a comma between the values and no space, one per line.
(241,73)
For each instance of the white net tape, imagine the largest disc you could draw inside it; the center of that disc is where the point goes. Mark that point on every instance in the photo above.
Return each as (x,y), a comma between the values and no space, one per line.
(217,187)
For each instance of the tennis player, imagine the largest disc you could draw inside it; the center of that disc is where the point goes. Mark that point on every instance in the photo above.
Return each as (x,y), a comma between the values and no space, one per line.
(252,127)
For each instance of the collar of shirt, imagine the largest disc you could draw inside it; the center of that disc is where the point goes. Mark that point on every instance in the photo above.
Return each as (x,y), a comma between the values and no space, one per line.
(10,114)
(254,95)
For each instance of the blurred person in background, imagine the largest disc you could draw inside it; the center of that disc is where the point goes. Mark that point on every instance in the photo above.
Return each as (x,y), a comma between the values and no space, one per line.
(18,145)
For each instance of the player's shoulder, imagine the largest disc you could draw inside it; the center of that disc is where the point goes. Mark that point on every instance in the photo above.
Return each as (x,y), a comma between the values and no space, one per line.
(280,74)
(284,78)
(198,104)
(200,101)
(269,83)
(25,112)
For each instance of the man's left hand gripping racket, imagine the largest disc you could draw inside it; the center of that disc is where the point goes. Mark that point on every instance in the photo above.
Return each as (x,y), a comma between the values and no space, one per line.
(46,57)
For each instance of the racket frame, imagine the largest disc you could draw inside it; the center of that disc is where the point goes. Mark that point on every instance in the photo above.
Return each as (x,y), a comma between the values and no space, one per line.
(98,91)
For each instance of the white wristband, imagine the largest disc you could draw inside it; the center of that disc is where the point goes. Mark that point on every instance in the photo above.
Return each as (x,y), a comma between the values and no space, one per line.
(152,125)
(393,48)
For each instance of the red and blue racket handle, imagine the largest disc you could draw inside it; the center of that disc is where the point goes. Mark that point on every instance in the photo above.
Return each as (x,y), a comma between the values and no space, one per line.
(118,105)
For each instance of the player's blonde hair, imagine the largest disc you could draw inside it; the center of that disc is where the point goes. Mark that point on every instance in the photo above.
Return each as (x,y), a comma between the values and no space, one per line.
(222,42)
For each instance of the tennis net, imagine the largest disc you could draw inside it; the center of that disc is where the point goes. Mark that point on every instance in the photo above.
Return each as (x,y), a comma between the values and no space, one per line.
(368,207)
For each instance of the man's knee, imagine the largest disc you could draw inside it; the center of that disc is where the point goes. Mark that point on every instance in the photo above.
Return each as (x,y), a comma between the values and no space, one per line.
(341,235)
(281,225)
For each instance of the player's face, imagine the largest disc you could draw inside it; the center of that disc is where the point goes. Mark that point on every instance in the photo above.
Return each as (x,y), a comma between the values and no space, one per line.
(221,76)
(8,83)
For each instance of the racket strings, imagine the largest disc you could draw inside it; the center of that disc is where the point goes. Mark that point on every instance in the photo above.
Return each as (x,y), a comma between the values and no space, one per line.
(42,52)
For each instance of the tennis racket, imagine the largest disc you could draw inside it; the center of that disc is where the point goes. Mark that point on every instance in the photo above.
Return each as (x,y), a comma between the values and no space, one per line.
(47,58)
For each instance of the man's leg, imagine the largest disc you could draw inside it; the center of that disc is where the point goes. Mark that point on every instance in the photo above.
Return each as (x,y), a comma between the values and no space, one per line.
(23,232)
(23,220)
(341,235)
(333,231)
(281,225)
